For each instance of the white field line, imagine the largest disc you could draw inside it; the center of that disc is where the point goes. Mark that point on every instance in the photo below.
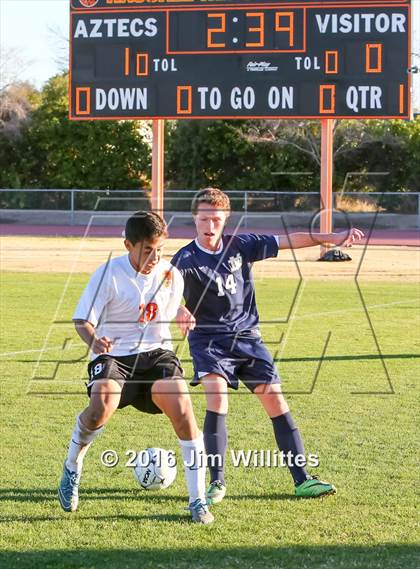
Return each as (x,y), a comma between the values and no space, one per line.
(293,317)
(346,310)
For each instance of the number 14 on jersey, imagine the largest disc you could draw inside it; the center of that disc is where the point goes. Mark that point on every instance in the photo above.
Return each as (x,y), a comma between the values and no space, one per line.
(229,285)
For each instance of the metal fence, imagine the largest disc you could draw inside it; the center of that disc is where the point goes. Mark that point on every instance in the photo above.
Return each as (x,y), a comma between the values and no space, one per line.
(246,202)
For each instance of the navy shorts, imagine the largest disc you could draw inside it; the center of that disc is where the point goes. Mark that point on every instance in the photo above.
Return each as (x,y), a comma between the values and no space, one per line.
(136,374)
(233,357)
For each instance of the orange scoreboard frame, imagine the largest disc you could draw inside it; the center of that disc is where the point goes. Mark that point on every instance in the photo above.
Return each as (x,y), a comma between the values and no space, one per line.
(192,59)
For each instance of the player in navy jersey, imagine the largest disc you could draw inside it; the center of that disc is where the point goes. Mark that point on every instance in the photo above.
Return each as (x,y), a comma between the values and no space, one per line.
(226,343)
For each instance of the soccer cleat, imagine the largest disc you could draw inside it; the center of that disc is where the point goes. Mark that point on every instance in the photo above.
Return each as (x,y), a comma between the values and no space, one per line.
(314,488)
(200,513)
(215,493)
(68,491)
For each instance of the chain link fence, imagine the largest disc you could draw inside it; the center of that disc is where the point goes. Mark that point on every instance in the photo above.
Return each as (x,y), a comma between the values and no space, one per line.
(74,201)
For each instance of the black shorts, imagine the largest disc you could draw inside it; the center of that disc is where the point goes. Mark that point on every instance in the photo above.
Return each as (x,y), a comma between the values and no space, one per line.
(136,375)
(242,356)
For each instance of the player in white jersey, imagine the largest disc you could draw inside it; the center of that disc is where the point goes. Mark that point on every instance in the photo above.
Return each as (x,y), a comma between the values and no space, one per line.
(123,316)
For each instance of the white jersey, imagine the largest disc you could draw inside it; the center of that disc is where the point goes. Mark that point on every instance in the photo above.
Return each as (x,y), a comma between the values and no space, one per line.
(132,309)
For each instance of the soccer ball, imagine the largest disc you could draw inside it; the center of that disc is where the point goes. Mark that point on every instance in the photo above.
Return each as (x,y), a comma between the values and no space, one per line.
(155,468)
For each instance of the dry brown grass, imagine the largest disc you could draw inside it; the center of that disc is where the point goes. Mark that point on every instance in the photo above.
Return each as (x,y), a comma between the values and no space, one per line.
(357,205)
(51,254)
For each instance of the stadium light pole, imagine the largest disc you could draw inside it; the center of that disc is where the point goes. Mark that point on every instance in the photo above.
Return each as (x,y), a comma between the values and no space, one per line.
(158,159)
(327,146)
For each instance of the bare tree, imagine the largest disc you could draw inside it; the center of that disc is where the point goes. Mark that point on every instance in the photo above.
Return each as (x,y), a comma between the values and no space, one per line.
(302,135)
(16,103)
(16,96)
(13,65)
(305,135)
(61,45)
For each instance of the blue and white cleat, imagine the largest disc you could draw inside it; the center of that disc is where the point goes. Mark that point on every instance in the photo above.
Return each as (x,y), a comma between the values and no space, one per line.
(200,513)
(68,491)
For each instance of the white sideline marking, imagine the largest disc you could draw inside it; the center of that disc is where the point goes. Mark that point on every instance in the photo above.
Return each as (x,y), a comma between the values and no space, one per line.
(39,350)
(302,317)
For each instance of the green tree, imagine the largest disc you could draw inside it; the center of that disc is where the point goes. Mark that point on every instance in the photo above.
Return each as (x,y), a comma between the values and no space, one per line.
(203,153)
(383,146)
(53,152)
(360,147)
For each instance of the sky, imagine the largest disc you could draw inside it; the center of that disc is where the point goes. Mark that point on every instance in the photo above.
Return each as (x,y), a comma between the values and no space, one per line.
(38,29)
(27,25)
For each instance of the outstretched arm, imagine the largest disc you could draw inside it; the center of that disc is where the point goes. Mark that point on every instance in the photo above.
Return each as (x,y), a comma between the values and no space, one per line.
(300,240)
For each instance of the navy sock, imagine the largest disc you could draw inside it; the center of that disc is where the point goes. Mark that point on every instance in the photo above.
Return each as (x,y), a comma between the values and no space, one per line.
(215,441)
(289,441)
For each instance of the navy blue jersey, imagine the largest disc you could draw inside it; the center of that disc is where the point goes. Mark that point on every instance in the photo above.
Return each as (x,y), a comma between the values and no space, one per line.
(218,287)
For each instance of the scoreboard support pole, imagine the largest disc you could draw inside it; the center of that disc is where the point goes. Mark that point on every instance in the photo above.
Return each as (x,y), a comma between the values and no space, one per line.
(327,146)
(158,159)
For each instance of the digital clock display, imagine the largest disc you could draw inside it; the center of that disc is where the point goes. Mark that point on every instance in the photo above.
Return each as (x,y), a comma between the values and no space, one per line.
(236,59)
(236,31)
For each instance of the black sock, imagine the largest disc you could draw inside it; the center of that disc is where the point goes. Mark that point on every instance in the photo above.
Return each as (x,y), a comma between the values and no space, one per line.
(289,441)
(215,441)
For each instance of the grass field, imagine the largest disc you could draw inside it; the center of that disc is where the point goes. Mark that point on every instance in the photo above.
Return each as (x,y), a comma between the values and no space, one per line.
(358,412)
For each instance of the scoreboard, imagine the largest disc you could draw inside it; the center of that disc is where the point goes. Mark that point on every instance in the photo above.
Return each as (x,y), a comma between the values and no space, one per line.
(136,59)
